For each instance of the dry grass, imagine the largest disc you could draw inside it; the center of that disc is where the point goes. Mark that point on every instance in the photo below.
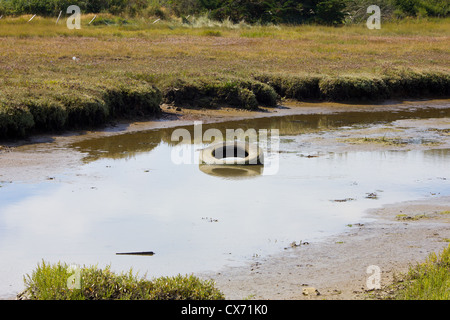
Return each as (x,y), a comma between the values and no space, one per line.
(168,48)
(40,58)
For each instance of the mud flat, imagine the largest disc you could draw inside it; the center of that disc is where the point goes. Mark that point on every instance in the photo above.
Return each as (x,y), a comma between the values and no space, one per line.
(337,266)
(40,156)
(398,234)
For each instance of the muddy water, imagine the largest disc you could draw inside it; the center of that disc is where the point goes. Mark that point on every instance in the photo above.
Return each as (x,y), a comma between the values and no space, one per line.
(129,196)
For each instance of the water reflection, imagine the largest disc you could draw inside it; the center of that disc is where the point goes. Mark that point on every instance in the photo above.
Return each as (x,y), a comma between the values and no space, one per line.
(128,145)
(437,153)
(232,171)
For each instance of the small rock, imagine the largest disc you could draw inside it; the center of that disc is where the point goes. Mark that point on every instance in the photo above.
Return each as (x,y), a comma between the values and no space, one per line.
(372,195)
(310,291)
(336,291)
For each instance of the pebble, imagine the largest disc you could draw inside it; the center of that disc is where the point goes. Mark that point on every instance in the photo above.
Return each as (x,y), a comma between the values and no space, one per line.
(310,291)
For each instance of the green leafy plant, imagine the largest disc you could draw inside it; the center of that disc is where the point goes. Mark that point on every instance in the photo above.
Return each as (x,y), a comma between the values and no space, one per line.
(429,280)
(50,282)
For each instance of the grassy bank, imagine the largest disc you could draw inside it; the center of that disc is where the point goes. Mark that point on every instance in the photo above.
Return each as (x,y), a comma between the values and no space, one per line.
(59,282)
(53,78)
(429,280)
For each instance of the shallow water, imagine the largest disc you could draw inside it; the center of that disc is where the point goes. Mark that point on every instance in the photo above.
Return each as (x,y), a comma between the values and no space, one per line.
(129,196)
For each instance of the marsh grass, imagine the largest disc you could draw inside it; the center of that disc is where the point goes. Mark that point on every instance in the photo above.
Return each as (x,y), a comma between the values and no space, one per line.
(50,282)
(429,280)
(53,78)
(210,93)
(62,108)
(392,84)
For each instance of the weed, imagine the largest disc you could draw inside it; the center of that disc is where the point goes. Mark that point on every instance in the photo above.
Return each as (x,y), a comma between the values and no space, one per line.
(429,280)
(49,282)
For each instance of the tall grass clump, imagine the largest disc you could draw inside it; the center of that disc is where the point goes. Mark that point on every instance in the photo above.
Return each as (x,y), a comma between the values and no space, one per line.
(392,84)
(50,282)
(212,93)
(137,100)
(292,86)
(76,106)
(407,83)
(352,88)
(204,21)
(429,280)
(48,114)
(15,120)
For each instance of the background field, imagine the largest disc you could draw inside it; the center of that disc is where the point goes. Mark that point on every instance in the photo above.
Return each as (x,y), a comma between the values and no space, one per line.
(53,78)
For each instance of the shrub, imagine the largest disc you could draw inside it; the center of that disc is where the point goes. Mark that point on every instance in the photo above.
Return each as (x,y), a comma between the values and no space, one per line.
(49,282)
(357,10)
(184,7)
(439,8)
(330,12)
(53,7)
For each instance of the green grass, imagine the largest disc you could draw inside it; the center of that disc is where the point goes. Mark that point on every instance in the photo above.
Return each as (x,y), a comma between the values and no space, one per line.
(208,93)
(66,106)
(50,282)
(429,280)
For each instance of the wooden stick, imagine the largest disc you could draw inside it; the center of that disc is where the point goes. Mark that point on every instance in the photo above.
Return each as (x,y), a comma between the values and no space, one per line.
(144,253)
(58,17)
(93,19)
(32,18)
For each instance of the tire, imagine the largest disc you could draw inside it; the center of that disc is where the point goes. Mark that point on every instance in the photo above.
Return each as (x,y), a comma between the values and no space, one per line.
(232,153)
